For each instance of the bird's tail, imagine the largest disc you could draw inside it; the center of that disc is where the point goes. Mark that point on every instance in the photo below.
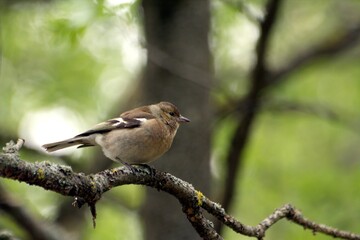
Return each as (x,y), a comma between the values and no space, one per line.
(51,147)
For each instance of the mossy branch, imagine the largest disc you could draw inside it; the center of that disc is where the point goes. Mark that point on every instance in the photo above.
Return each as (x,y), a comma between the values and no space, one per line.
(89,189)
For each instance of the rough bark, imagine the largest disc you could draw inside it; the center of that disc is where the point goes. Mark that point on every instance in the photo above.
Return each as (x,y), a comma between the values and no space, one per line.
(89,189)
(179,70)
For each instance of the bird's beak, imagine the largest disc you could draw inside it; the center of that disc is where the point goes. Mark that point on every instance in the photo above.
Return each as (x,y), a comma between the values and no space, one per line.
(183,119)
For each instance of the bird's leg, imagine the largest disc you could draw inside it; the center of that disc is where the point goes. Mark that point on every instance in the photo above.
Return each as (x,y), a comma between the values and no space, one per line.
(151,169)
(132,169)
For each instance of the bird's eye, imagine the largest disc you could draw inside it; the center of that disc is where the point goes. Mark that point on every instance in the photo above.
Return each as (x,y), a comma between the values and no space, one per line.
(172,114)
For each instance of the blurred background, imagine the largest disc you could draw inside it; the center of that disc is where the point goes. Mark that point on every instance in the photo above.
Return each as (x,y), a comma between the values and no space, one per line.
(272,88)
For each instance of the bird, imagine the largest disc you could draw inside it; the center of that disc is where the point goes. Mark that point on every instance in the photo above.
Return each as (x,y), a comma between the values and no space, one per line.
(137,137)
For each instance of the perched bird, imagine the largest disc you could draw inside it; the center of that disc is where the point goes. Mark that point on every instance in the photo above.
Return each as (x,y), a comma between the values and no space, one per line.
(138,136)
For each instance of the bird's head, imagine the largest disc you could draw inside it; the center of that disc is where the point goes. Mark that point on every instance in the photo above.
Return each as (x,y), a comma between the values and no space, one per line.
(169,113)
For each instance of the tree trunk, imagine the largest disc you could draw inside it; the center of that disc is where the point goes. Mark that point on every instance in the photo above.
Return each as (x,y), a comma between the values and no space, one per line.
(179,70)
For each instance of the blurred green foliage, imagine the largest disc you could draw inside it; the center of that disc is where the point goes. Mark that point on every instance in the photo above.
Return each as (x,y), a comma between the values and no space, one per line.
(299,156)
(73,55)
(85,56)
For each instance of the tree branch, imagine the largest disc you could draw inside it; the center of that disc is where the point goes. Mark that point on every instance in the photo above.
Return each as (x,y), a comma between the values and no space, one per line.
(320,110)
(89,189)
(6,235)
(36,229)
(251,105)
(347,41)
(263,78)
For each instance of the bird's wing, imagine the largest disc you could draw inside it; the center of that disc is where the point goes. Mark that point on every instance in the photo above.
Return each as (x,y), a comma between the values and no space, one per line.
(115,123)
(140,112)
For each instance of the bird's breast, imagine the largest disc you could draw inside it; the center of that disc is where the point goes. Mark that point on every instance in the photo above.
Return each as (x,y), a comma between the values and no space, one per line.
(137,145)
